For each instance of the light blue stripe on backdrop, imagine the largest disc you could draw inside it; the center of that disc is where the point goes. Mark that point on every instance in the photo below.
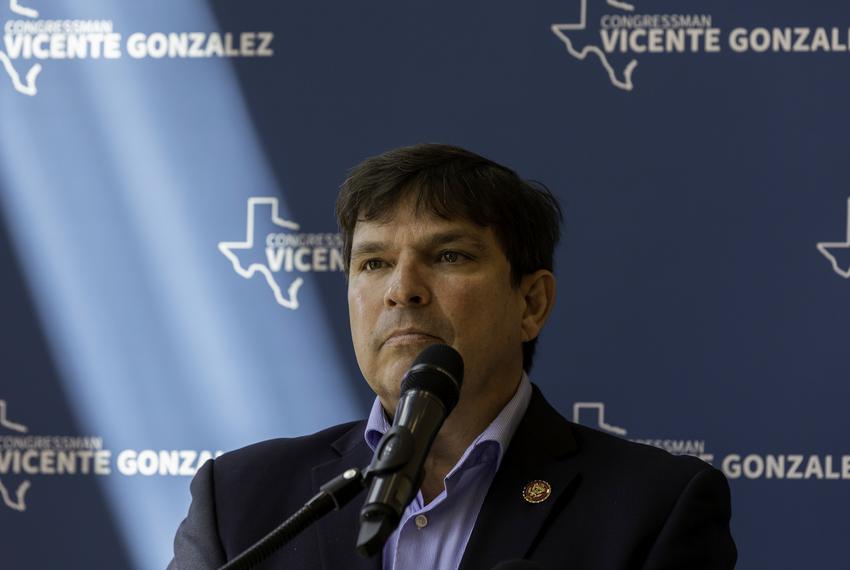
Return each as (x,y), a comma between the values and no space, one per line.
(118,181)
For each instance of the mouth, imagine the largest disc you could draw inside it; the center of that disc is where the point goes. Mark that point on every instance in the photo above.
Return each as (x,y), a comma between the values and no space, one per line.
(410,337)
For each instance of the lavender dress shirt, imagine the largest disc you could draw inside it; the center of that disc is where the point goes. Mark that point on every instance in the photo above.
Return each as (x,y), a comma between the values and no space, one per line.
(435,535)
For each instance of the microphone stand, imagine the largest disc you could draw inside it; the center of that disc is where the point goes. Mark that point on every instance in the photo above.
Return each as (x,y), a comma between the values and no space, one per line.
(378,518)
(333,495)
(394,451)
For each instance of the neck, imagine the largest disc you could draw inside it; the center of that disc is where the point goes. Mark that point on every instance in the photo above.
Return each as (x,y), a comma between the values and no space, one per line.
(466,422)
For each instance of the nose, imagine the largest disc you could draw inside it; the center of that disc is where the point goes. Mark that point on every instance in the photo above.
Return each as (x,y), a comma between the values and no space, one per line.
(408,287)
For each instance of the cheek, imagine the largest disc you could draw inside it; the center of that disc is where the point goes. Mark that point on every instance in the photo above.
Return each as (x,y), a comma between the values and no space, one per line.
(365,307)
(358,314)
(360,327)
(481,309)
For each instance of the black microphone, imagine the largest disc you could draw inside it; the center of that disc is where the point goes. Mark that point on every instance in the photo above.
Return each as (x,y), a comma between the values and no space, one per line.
(429,392)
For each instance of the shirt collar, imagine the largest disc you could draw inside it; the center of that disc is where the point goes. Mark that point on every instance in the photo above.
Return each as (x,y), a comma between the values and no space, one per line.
(500,430)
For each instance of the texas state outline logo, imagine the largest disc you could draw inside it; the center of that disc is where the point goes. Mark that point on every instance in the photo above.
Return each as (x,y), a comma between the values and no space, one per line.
(280,252)
(838,252)
(617,35)
(25,457)
(29,40)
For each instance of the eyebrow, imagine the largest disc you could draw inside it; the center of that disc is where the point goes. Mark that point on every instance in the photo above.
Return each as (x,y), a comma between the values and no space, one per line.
(367,248)
(434,241)
(455,236)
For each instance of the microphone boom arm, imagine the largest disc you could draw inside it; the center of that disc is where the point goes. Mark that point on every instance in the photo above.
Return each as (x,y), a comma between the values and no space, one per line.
(333,495)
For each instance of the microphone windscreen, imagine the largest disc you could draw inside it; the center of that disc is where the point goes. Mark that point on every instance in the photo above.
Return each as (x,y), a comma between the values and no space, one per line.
(439,370)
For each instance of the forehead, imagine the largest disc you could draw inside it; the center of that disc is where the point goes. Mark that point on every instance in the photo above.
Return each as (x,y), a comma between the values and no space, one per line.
(408,219)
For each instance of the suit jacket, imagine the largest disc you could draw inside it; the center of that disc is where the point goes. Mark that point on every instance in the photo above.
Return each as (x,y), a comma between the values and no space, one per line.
(614,504)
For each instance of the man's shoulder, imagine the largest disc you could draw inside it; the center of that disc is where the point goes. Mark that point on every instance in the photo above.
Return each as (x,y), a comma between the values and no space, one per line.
(612,466)
(240,496)
(658,509)
(288,453)
(605,454)
(622,476)
(257,486)
(614,453)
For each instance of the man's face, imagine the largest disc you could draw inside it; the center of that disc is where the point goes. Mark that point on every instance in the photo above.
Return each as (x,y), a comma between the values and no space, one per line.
(418,279)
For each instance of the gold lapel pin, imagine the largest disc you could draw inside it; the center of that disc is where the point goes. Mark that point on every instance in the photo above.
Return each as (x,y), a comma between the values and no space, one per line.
(536,491)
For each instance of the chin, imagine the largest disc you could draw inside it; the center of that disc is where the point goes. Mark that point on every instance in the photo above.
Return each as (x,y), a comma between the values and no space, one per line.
(399,357)
(395,361)
(389,377)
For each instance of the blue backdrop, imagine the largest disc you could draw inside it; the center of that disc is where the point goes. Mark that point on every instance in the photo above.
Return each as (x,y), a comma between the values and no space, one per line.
(171,285)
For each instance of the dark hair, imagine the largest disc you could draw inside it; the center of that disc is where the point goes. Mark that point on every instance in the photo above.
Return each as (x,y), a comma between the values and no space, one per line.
(451,182)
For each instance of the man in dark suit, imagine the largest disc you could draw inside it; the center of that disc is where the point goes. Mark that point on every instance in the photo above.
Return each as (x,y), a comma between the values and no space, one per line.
(444,246)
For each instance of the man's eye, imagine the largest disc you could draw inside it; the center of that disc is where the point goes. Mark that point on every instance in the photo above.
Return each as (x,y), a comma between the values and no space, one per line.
(450,256)
(373,264)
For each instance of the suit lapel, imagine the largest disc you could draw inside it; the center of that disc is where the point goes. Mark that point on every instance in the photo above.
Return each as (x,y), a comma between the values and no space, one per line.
(338,530)
(507,524)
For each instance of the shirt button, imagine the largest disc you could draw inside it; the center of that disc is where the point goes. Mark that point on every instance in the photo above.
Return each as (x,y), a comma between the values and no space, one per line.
(421,521)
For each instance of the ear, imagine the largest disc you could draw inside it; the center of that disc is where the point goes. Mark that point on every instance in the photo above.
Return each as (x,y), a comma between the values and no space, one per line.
(538,291)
